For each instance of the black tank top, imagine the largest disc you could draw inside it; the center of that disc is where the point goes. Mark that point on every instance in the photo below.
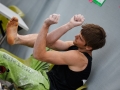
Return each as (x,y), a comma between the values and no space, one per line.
(62,78)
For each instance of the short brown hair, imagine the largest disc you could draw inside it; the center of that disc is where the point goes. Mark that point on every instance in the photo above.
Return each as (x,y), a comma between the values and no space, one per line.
(94,35)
